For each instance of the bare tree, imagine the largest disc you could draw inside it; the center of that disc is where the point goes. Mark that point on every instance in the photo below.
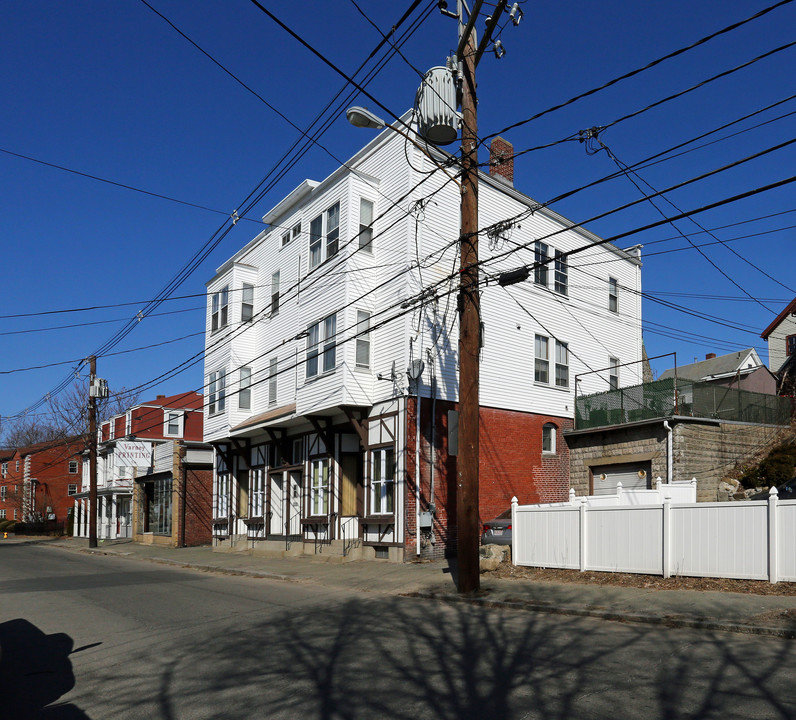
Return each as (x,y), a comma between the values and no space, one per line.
(67,416)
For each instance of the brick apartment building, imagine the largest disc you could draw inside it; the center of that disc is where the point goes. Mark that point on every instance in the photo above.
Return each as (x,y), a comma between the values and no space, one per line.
(38,482)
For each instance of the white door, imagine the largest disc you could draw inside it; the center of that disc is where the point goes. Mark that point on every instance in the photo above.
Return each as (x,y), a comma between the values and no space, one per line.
(294,502)
(277,509)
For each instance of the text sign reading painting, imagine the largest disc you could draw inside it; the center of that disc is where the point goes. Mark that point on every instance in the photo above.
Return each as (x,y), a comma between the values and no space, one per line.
(132,454)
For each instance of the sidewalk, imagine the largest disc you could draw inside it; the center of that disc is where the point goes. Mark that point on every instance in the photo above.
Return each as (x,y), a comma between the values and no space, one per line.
(734,612)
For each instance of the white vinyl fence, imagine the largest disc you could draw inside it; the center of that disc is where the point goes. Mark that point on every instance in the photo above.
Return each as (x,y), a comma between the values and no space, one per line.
(751,540)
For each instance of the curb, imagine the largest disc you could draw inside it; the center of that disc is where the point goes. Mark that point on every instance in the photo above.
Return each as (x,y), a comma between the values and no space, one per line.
(673,621)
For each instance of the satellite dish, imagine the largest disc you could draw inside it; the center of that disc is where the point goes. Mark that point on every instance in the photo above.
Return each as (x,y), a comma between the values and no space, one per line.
(415,369)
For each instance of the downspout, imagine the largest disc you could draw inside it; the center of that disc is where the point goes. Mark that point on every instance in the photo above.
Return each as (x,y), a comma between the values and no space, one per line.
(417,469)
(669,452)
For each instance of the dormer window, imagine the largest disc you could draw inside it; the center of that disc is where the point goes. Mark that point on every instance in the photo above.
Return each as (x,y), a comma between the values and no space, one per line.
(173,423)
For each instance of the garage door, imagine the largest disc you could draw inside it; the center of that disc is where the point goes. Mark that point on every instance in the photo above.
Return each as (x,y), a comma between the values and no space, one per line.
(631,475)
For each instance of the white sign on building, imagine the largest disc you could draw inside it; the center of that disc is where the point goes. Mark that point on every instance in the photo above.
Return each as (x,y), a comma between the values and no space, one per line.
(132,454)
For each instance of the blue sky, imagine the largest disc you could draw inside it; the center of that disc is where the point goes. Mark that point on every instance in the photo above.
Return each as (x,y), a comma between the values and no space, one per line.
(113,91)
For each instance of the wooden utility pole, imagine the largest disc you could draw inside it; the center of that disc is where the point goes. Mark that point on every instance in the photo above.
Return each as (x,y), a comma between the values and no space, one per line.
(92,455)
(467,520)
(468,523)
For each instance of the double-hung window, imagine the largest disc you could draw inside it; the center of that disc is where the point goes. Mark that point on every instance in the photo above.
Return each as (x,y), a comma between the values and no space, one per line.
(363,339)
(790,345)
(332,230)
(613,295)
(332,235)
(382,481)
(71,489)
(245,389)
(540,258)
(366,225)
(549,439)
(219,309)
(319,487)
(321,346)
(247,303)
(562,364)
(561,279)
(3,490)
(173,423)
(73,467)
(217,391)
(541,370)
(275,293)
(272,371)
(613,373)
(316,237)
(291,235)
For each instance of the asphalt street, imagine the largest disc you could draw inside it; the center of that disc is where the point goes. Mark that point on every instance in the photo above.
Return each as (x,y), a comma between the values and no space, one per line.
(104,637)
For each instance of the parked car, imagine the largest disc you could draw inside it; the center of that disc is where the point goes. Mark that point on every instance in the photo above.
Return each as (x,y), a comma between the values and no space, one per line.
(497,531)
(786,491)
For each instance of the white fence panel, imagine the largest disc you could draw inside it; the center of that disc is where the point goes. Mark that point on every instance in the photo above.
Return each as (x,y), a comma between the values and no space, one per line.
(786,540)
(751,540)
(550,537)
(720,540)
(624,539)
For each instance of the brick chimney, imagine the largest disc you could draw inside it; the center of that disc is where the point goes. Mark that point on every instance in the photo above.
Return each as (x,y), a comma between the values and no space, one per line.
(501,160)
(160,397)
(710,356)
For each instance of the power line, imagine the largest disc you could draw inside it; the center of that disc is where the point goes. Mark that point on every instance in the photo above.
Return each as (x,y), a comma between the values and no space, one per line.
(641,69)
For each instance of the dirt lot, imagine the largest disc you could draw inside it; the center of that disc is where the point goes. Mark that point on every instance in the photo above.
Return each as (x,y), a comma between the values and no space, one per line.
(649,582)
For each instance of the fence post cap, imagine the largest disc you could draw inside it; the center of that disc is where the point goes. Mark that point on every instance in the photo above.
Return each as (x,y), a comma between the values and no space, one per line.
(514,500)
(658,483)
(693,481)
(773,492)
(571,494)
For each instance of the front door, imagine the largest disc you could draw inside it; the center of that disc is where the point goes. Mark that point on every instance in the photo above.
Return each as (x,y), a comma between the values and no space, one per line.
(123,518)
(293,504)
(276,512)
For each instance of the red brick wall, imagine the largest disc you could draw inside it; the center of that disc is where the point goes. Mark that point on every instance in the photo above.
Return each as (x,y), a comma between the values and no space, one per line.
(50,468)
(511,464)
(198,507)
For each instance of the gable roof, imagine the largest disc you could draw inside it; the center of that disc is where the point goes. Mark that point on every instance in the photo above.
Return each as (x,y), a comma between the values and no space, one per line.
(743,360)
(789,308)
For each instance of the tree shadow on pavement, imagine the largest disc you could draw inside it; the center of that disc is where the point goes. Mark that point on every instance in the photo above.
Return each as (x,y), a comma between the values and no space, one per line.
(35,671)
(409,659)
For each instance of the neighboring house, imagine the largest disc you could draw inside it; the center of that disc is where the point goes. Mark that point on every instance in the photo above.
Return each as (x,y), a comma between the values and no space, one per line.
(741,370)
(331,361)
(154,475)
(781,338)
(700,422)
(37,482)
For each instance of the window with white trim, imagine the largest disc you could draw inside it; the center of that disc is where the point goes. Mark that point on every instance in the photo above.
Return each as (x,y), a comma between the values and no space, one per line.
(71,489)
(382,483)
(561,275)
(4,469)
(366,225)
(613,373)
(219,304)
(273,365)
(222,495)
(275,293)
(244,389)
(247,302)
(331,233)
(549,439)
(3,491)
(540,258)
(17,465)
(613,294)
(562,364)
(3,514)
(319,487)
(217,391)
(541,368)
(363,339)
(321,338)
(73,467)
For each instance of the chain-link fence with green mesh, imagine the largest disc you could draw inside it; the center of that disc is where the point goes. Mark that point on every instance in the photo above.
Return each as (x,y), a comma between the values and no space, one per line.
(665,398)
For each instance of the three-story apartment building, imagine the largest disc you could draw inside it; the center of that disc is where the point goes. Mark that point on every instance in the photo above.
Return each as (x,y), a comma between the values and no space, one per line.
(331,361)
